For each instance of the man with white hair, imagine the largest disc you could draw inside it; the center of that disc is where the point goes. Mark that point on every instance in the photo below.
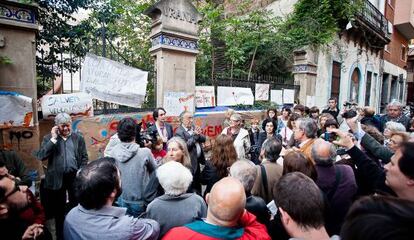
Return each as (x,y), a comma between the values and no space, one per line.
(176,207)
(305,132)
(246,172)
(66,154)
(394,114)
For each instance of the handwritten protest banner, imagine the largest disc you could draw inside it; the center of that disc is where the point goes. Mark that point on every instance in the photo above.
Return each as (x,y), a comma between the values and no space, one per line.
(15,110)
(112,81)
(262,92)
(276,96)
(176,102)
(231,96)
(75,104)
(288,96)
(205,97)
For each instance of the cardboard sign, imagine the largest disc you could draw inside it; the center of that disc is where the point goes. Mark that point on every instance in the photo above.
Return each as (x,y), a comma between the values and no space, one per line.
(112,81)
(75,104)
(262,92)
(205,97)
(15,110)
(288,96)
(177,102)
(231,96)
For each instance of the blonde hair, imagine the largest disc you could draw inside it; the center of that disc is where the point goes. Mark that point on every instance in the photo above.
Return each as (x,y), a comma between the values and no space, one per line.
(186,160)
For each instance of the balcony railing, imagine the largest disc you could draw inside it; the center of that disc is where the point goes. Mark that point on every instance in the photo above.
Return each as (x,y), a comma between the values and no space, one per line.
(374,19)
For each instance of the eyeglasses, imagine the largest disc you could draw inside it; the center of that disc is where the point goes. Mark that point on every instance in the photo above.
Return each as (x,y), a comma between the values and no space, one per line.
(16,188)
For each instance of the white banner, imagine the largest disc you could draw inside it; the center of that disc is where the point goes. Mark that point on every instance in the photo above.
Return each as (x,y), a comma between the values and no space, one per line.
(112,81)
(310,101)
(231,96)
(276,96)
(15,110)
(204,96)
(75,104)
(262,92)
(177,102)
(288,96)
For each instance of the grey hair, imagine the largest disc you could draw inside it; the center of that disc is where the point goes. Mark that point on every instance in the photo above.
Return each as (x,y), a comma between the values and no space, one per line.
(174,178)
(62,118)
(181,116)
(246,172)
(186,161)
(236,116)
(272,148)
(308,125)
(395,103)
(323,160)
(395,126)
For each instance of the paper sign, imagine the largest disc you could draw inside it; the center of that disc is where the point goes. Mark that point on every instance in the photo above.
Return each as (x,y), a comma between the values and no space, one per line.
(177,102)
(231,96)
(15,110)
(205,97)
(288,96)
(310,101)
(262,92)
(112,81)
(75,104)
(276,96)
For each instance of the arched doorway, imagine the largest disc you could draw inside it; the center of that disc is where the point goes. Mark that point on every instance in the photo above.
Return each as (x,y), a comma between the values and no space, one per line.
(355,81)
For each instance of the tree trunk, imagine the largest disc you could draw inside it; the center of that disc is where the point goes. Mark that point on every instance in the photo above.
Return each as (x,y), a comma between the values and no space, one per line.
(251,64)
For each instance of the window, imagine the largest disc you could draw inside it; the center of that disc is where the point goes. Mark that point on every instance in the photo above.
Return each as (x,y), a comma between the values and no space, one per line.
(336,79)
(403,53)
(368,88)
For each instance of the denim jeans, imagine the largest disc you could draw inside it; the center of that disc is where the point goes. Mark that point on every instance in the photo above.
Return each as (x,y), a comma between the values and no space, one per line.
(133,209)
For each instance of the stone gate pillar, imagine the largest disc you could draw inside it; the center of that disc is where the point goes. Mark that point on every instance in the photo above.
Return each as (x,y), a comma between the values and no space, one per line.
(18,28)
(304,72)
(174,37)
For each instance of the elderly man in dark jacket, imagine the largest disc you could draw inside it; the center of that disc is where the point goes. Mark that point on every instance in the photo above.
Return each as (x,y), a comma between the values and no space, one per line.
(395,114)
(66,154)
(194,138)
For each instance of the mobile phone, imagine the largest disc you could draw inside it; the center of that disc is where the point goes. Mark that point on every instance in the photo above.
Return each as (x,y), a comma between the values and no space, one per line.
(330,136)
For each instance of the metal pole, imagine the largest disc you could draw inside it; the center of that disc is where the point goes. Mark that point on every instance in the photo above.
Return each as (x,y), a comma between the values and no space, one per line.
(104,54)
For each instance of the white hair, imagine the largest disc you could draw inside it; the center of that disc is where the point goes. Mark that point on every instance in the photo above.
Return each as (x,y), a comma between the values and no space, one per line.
(174,178)
(395,127)
(62,118)
(395,103)
(246,172)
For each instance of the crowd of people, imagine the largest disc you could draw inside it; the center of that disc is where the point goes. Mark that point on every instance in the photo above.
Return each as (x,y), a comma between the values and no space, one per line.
(301,173)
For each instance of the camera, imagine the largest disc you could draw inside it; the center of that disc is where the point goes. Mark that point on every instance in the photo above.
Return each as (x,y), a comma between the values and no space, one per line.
(147,135)
(350,104)
(341,151)
(349,114)
(330,136)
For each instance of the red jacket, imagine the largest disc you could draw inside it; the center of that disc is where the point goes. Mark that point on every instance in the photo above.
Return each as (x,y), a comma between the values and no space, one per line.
(250,229)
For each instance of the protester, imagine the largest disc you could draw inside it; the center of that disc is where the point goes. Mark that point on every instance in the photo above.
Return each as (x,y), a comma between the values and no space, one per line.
(314,113)
(271,116)
(227,115)
(194,138)
(66,153)
(246,173)
(176,207)
(135,164)
(157,150)
(397,177)
(177,151)
(295,161)
(321,123)
(379,218)
(269,171)
(299,109)
(305,134)
(254,140)
(327,134)
(368,117)
(97,186)
(10,163)
(286,133)
(239,135)
(21,215)
(337,182)
(301,207)
(161,127)
(332,108)
(226,217)
(222,157)
(283,118)
(394,114)
(391,127)
(396,139)
(269,132)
